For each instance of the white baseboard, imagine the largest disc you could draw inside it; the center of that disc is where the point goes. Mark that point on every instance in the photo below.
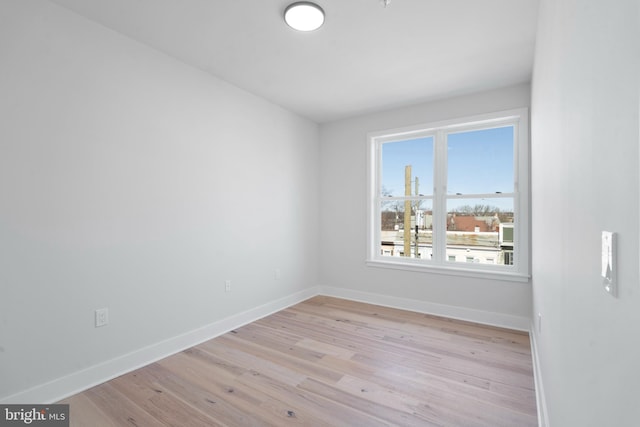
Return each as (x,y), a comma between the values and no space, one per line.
(541,401)
(461,313)
(76,382)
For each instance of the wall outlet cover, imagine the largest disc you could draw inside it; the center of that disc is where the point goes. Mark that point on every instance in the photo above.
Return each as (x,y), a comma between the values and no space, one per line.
(102,317)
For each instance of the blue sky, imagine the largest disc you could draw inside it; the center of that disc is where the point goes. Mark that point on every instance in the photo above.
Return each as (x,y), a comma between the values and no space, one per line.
(415,152)
(479,161)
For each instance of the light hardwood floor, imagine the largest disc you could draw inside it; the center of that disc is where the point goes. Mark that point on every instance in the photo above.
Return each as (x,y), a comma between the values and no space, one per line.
(329,362)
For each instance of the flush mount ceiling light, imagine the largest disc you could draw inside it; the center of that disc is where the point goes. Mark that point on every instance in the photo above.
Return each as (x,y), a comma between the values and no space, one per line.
(304,16)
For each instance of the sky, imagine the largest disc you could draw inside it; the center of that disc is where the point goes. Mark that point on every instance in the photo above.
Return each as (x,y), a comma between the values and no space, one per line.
(479,161)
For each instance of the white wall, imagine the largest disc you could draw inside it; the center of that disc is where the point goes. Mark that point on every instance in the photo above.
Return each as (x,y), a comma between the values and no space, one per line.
(133,182)
(585,180)
(343,225)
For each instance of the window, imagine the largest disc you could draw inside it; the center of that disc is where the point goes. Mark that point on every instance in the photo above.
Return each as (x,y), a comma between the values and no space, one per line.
(451,196)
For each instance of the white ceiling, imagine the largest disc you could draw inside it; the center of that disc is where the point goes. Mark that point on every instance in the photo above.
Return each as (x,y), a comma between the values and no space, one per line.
(365,58)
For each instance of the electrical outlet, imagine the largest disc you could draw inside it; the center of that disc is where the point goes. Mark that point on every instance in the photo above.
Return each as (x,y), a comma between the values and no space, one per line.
(102,317)
(227,285)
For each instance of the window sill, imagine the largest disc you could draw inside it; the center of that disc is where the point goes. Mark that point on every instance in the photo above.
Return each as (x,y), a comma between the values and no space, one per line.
(451,271)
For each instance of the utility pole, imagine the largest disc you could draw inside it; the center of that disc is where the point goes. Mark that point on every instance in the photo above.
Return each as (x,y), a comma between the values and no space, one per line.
(407,212)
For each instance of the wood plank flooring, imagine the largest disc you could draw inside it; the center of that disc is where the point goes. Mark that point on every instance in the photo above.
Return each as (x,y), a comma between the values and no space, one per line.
(329,362)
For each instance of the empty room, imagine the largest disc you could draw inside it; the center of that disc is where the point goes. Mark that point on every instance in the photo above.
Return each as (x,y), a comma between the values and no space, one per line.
(328,213)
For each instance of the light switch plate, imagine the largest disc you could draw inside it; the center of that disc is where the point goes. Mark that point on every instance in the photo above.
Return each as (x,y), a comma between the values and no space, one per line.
(609,256)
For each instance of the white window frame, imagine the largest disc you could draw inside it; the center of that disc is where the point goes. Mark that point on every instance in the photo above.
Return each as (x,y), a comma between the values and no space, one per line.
(519,271)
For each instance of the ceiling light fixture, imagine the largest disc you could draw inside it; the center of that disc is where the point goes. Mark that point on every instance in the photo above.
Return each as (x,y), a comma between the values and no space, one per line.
(304,16)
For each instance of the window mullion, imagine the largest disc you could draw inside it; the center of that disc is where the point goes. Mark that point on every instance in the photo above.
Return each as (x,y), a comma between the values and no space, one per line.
(439,196)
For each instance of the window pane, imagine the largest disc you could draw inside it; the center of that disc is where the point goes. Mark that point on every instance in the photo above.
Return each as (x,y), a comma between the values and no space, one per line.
(480,161)
(418,233)
(480,230)
(417,153)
